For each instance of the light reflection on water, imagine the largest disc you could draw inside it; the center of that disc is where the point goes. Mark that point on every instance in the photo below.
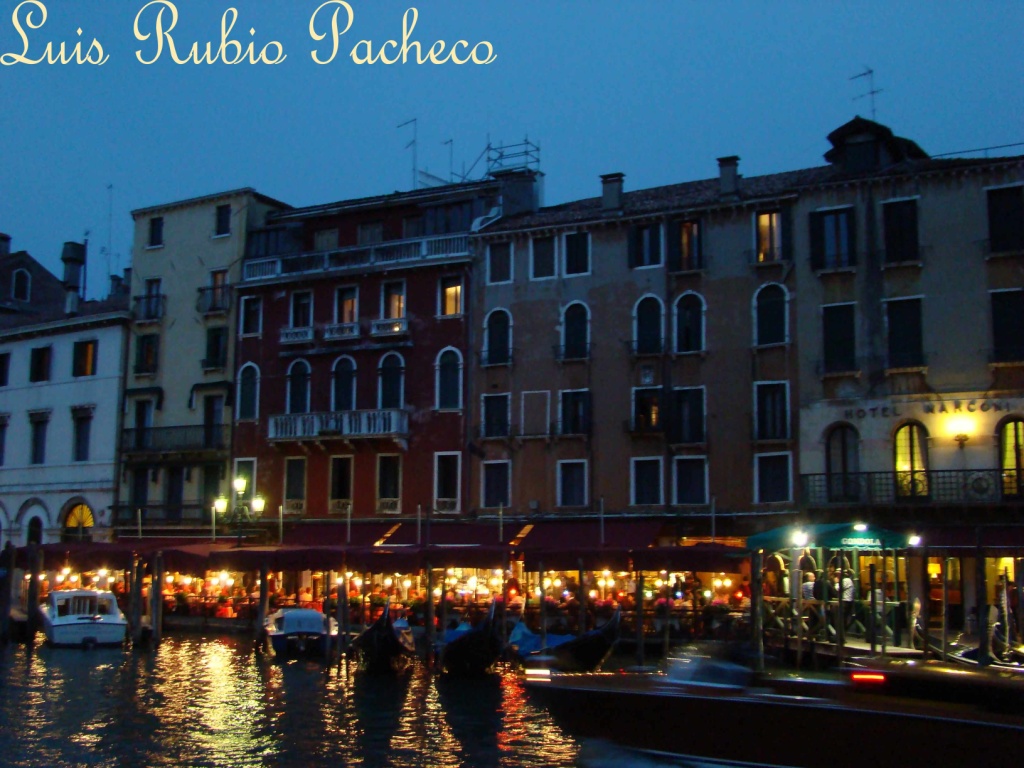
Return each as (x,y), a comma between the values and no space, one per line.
(210,702)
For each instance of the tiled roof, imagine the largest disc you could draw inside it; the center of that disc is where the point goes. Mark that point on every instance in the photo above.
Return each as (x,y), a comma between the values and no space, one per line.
(35,315)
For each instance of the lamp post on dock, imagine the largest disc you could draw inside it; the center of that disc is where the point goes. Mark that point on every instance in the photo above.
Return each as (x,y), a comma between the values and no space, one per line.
(240,513)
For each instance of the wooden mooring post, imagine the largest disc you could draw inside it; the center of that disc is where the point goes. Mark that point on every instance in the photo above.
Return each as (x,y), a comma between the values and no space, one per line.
(6,591)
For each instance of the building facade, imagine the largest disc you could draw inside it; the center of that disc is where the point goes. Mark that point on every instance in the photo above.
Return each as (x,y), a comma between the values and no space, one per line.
(176,441)
(61,367)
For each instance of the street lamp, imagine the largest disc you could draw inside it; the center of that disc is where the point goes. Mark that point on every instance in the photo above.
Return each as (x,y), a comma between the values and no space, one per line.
(240,512)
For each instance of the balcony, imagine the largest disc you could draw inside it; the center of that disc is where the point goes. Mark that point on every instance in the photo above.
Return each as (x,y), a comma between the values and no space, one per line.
(343,425)
(566,353)
(394,326)
(214,300)
(341,331)
(175,439)
(927,487)
(446,506)
(297,335)
(184,513)
(391,254)
(389,506)
(340,507)
(149,308)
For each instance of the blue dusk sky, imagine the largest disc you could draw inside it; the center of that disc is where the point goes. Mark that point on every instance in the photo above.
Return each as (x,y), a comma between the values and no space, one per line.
(656,89)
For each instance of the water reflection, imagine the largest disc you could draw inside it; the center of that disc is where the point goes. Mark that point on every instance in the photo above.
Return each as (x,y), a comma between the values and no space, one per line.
(212,702)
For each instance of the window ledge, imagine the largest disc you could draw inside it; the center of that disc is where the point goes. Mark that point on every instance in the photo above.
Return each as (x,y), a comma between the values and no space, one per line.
(684,272)
(448,410)
(774,345)
(922,369)
(768,442)
(458,316)
(701,447)
(1007,364)
(996,255)
(914,264)
(154,247)
(850,374)
(825,271)
(701,353)
(221,236)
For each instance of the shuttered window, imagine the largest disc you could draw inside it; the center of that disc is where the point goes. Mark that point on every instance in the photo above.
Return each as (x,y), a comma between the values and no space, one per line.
(899,220)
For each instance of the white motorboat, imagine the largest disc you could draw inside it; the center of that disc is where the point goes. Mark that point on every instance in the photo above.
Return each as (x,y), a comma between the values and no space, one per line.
(300,632)
(83,618)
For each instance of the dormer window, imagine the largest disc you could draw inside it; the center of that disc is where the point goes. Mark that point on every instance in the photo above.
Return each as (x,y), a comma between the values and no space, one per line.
(21,287)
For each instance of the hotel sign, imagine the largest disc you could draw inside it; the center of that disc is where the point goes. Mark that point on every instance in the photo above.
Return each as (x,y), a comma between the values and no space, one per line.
(977,405)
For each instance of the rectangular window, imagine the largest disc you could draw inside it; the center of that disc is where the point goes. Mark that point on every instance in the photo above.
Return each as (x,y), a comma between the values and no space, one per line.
(772,403)
(389,484)
(543,258)
(82,420)
(346,305)
(1006,219)
(496,483)
(156,232)
(147,352)
(39,364)
(84,358)
(839,338)
(688,415)
(252,315)
(646,481)
(370,233)
(572,483)
(496,419)
(450,296)
(645,246)
(499,263)
(302,309)
(906,343)
(222,222)
(691,480)
(341,484)
(575,412)
(216,347)
(219,299)
(1007,314)
(833,243)
(647,409)
(769,237)
(772,478)
(325,240)
(5,368)
(577,253)
(446,482)
(899,220)
(38,422)
(151,303)
(294,480)
(392,301)
(684,247)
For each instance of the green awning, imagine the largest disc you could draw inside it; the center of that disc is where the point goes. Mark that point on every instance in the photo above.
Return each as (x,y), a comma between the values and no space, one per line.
(830,536)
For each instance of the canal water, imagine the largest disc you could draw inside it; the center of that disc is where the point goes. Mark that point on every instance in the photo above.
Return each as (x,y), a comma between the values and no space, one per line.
(209,701)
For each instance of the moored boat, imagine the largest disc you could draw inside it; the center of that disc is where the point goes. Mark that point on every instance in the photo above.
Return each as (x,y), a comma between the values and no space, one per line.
(472,651)
(295,632)
(385,645)
(567,653)
(83,618)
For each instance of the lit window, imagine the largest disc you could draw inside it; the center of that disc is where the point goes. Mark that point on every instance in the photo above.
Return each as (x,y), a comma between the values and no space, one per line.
(911,460)
(1011,457)
(451,296)
(769,238)
(84,358)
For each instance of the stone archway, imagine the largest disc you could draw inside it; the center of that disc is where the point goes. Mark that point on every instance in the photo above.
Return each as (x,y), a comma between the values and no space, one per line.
(78,523)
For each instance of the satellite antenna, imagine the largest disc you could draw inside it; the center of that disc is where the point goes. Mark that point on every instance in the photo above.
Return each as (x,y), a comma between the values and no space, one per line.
(413,145)
(451,149)
(869,73)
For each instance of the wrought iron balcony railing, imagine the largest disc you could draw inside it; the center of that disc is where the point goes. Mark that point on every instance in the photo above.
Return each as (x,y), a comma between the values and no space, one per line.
(214,299)
(390,253)
(936,487)
(186,513)
(646,346)
(339,424)
(149,308)
(570,352)
(164,439)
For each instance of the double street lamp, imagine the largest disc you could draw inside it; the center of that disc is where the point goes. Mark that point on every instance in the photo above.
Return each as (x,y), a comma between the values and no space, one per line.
(240,513)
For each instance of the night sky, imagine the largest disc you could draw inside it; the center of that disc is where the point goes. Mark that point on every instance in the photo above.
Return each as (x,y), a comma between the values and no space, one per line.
(656,89)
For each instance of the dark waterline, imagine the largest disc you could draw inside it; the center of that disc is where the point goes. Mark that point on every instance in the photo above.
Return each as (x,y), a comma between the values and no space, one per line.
(211,702)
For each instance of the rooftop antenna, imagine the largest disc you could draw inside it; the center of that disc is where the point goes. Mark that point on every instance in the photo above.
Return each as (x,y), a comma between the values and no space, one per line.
(85,266)
(451,149)
(110,224)
(413,145)
(869,73)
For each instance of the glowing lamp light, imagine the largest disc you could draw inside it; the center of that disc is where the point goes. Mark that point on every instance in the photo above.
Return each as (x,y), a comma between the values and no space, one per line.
(860,527)
(73,577)
(258,505)
(960,425)
(727,583)
(407,583)
(914,541)
(220,505)
(239,485)
(800,539)
(231,582)
(593,594)
(388,582)
(648,594)
(547,583)
(169,578)
(357,582)
(659,583)
(187,580)
(66,571)
(60,578)
(707,594)
(102,573)
(437,591)
(558,582)
(538,591)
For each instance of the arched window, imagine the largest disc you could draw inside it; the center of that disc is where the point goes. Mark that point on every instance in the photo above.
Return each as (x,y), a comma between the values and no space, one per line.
(770,315)
(1011,456)
(647,326)
(842,463)
(298,387)
(576,332)
(343,385)
(449,379)
(78,524)
(391,375)
(498,338)
(35,531)
(21,288)
(689,323)
(248,392)
(910,457)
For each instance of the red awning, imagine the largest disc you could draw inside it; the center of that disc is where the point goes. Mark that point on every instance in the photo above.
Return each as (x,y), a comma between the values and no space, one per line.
(586,535)
(337,533)
(448,534)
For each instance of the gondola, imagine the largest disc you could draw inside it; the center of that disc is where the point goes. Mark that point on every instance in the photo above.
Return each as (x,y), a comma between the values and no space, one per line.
(473,651)
(386,645)
(566,653)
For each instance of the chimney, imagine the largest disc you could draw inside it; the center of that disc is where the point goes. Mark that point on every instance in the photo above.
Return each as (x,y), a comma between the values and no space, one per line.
(727,175)
(611,191)
(73,257)
(5,244)
(116,282)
